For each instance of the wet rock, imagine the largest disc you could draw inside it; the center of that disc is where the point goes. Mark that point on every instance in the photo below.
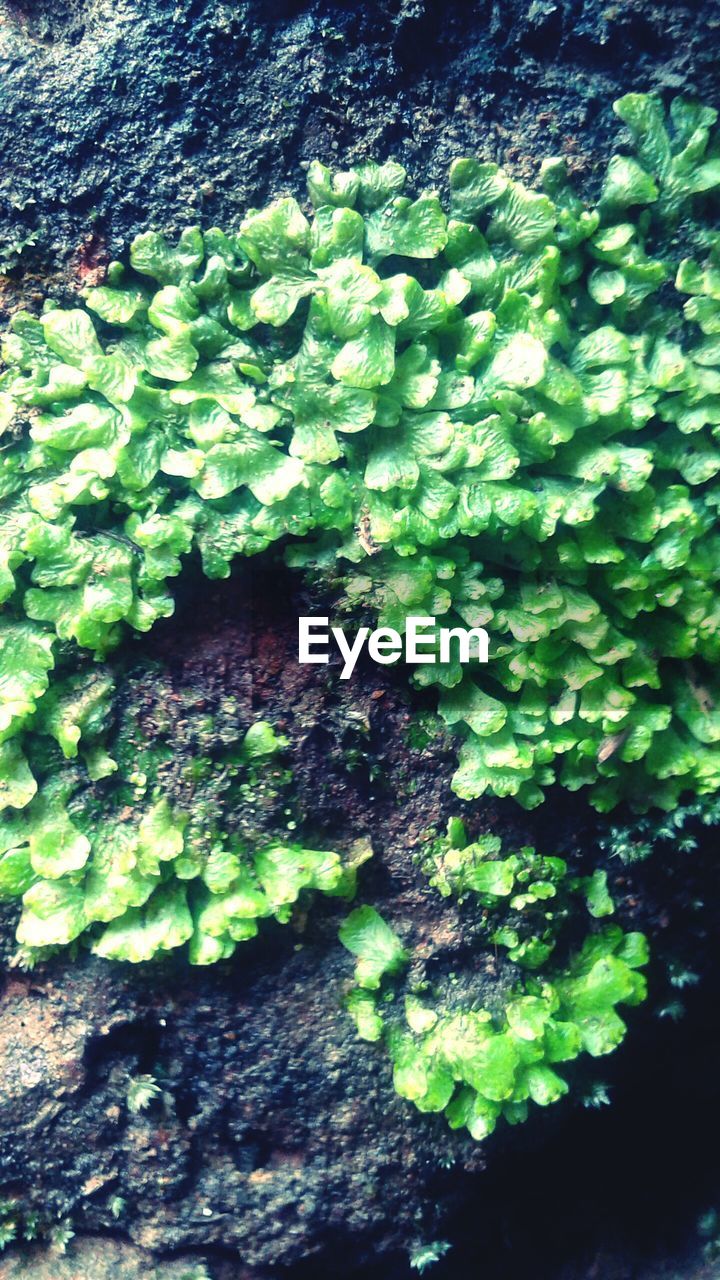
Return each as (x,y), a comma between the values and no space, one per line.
(96,1259)
(122,114)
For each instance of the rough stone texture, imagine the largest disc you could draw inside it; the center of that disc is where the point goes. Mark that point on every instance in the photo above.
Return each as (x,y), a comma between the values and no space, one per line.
(274,1127)
(279,1147)
(93,1258)
(119,114)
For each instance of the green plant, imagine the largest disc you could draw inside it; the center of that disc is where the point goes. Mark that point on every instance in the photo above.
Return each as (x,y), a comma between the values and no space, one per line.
(708,1229)
(60,1235)
(675,831)
(526,896)
(476,1064)
(117,1205)
(19,1220)
(14,250)
(596,1097)
(521,435)
(101,853)
(424,1256)
(142,1091)
(8,1222)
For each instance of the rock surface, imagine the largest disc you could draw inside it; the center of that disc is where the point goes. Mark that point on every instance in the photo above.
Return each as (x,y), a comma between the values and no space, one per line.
(93,1258)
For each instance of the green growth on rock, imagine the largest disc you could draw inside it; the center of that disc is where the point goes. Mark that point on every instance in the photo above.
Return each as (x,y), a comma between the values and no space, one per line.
(476,1064)
(527,895)
(101,853)
(498,412)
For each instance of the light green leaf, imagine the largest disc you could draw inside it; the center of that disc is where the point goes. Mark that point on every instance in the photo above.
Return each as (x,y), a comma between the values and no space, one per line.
(544,1085)
(474,186)
(16,873)
(520,364)
(116,306)
(162,925)
(285,870)
(362,1009)
(597,895)
(277,239)
(17,784)
(276,300)
(626,183)
(57,847)
(326,187)
(379,182)
(71,335)
(528,1017)
(494,878)
(368,360)
(262,741)
(412,229)
(269,474)
(467,702)
(160,836)
(53,914)
(379,950)
(151,255)
(351,290)
(172,358)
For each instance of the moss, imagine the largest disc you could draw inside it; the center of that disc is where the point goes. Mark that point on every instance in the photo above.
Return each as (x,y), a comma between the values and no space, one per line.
(475,1062)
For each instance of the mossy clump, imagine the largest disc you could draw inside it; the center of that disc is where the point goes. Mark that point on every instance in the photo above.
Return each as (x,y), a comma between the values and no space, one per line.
(453,1054)
(501,412)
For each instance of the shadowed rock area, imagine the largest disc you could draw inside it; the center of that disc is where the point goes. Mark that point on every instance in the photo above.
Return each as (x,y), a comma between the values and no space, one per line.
(277,1147)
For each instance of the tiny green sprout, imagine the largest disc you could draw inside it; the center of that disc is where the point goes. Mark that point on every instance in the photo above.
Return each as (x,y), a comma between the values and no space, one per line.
(597,1096)
(60,1235)
(708,1229)
(31,1225)
(13,253)
(709,1224)
(681,976)
(674,1010)
(142,1091)
(676,831)
(621,846)
(424,1256)
(8,1232)
(25,958)
(117,1205)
